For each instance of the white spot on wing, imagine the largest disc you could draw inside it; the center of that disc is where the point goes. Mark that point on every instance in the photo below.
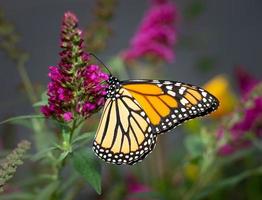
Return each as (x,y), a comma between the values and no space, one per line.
(168,82)
(155,81)
(171,93)
(182,90)
(169,87)
(184,101)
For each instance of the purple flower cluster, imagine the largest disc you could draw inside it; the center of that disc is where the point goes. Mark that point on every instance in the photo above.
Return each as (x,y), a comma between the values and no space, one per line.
(245,81)
(76,86)
(134,186)
(250,124)
(156,35)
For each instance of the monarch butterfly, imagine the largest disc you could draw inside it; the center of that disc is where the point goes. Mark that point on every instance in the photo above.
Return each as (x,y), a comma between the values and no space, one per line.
(137,111)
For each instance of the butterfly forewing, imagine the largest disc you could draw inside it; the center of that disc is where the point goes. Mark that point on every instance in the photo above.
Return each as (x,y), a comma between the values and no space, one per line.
(169,103)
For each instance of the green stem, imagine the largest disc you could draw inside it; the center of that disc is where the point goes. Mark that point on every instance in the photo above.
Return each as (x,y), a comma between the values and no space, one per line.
(67,147)
(203,180)
(37,125)
(73,192)
(74,126)
(25,79)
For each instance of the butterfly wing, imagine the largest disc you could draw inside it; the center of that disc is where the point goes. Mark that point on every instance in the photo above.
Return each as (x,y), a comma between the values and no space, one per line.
(125,135)
(169,103)
(141,109)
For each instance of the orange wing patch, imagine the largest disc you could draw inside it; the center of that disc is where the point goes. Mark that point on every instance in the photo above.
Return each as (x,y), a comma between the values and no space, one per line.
(150,111)
(195,94)
(190,98)
(156,102)
(152,99)
(169,101)
(144,88)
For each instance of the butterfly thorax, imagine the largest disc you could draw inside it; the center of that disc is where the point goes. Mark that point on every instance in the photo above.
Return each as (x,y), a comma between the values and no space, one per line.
(113,88)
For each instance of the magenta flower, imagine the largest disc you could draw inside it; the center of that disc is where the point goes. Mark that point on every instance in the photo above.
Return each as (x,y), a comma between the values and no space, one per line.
(240,132)
(76,87)
(250,124)
(245,81)
(156,34)
(134,187)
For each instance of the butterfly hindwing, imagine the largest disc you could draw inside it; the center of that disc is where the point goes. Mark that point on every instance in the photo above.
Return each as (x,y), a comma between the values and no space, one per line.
(124,135)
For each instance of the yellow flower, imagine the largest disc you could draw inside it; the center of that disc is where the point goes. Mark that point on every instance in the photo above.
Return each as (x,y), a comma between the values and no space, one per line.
(191,171)
(219,86)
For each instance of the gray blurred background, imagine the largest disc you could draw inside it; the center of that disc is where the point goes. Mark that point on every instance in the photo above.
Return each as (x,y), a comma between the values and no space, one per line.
(228,33)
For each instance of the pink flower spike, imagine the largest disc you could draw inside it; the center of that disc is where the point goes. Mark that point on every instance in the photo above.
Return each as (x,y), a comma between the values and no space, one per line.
(70,20)
(75,85)
(156,35)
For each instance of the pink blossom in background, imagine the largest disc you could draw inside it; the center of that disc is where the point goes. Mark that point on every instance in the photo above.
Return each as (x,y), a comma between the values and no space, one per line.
(251,123)
(245,81)
(237,141)
(134,186)
(156,34)
(75,86)
(251,118)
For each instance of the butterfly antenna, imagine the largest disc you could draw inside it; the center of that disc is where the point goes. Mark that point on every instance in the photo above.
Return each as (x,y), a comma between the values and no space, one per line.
(91,54)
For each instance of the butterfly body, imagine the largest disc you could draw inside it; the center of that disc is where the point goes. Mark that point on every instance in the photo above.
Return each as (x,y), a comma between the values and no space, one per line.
(137,111)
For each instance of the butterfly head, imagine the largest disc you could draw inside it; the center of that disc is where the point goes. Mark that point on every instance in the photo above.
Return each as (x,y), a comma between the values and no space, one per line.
(113,88)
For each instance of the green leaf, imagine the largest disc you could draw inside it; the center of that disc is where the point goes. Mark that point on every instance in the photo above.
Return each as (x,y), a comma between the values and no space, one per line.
(194,145)
(229,182)
(23,122)
(88,167)
(62,157)
(84,136)
(48,191)
(40,103)
(43,101)
(78,130)
(243,153)
(82,140)
(41,154)
(17,196)
(19,118)
(34,180)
